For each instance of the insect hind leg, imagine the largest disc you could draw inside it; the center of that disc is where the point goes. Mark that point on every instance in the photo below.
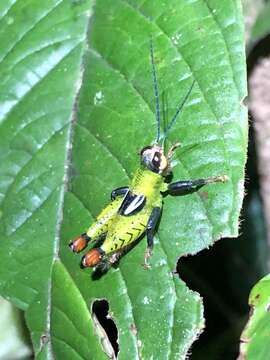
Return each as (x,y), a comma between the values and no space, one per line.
(98,229)
(79,243)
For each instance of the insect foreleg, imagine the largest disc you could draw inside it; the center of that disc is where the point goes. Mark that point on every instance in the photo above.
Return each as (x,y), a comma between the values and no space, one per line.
(150,230)
(119,192)
(189,186)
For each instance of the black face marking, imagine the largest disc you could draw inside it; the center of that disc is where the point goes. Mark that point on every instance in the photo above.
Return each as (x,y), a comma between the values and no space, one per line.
(156,160)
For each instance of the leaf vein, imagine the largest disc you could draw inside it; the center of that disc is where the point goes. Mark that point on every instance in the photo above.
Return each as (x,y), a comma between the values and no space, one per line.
(29,29)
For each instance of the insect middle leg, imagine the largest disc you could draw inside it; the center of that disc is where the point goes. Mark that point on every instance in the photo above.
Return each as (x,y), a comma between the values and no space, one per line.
(150,230)
(121,191)
(189,186)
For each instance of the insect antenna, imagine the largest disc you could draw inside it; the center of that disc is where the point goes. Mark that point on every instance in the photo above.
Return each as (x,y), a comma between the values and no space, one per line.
(155,90)
(164,100)
(180,107)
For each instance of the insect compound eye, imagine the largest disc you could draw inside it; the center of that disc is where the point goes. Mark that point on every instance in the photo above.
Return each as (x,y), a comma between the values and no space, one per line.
(156,159)
(147,156)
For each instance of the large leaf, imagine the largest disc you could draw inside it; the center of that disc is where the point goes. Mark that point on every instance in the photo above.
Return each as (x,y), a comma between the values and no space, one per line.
(60,161)
(255,337)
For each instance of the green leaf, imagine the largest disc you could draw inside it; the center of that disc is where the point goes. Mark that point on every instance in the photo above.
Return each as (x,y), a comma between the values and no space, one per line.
(62,155)
(255,337)
(72,316)
(42,44)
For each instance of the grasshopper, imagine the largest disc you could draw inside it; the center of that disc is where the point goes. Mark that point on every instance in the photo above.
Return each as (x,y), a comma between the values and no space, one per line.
(135,210)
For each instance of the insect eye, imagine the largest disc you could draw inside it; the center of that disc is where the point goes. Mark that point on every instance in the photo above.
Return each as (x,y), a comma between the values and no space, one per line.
(156,159)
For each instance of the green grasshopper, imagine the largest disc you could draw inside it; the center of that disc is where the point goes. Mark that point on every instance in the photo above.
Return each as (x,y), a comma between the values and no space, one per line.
(135,210)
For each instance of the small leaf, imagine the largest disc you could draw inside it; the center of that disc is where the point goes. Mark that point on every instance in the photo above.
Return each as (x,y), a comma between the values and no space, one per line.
(255,337)
(261,26)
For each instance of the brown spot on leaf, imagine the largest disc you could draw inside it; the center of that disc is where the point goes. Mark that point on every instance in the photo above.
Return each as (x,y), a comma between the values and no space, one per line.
(203,195)
(44,339)
(133,329)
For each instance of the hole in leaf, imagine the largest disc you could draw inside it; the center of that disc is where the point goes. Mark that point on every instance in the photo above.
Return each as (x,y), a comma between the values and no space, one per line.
(219,276)
(106,327)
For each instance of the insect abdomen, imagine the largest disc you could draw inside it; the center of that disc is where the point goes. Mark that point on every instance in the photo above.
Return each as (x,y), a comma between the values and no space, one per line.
(125,232)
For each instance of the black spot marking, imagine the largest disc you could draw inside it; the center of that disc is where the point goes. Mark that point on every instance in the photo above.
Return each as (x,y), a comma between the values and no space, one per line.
(156,159)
